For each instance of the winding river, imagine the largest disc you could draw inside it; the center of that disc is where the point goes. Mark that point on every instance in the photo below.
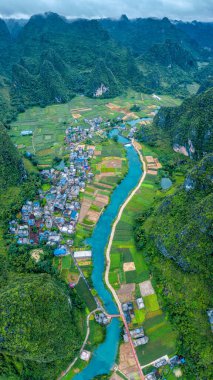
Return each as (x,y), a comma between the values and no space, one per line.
(104,356)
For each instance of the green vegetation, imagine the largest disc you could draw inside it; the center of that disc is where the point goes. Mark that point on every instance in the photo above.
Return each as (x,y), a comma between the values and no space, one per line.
(181,229)
(168,67)
(42,301)
(49,124)
(161,339)
(190,125)
(178,241)
(85,295)
(162,336)
(11,167)
(31,292)
(97,335)
(51,60)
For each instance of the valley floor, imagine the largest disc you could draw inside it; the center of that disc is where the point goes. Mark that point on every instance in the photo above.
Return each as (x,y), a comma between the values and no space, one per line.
(129,274)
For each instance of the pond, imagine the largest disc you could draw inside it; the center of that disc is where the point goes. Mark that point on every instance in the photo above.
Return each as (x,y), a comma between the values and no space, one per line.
(166,183)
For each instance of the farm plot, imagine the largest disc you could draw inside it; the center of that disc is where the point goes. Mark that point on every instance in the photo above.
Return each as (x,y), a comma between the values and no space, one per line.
(162,339)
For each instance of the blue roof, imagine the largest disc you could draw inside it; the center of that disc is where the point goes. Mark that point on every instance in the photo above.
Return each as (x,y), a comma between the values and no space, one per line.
(60,251)
(63,181)
(73,214)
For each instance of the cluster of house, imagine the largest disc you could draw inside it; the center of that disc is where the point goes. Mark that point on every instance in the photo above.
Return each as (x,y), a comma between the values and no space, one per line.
(163,361)
(128,309)
(137,335)
(102,319)
(79,133)
(54,216)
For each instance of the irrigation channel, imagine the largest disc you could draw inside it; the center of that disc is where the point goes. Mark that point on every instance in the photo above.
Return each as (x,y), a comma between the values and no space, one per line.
(104,356)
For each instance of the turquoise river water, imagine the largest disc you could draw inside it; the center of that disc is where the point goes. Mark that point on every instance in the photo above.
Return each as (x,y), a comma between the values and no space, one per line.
(105,355)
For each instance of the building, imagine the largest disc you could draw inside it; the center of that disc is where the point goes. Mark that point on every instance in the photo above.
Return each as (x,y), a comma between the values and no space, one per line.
(140,303)
(137,335)
(82,254)
(60,251)
(128,310)
(26,133)
(102,319)
(85,355)
(210,315)
(143,340)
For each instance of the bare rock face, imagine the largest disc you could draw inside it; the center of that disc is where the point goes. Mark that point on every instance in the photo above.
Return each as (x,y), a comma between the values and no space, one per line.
(101,90)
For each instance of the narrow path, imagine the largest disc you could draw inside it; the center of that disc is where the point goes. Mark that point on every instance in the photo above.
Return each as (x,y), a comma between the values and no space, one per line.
(82,347)
(108,261)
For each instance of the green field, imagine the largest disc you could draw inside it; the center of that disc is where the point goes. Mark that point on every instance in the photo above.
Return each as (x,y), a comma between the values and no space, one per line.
(85,295)
(162,338)
(49,124)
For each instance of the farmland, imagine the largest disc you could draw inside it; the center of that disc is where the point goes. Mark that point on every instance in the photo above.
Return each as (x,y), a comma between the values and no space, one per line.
(162,338)
(49,124)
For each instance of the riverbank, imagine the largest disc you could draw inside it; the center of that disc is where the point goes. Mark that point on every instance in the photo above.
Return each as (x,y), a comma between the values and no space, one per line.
(108,250)
(162,338)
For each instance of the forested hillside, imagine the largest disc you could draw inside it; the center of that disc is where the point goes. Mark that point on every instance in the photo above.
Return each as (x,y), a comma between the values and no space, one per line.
(37,333)
(11,167)
(190,125)
(168,67)
(202,32)
(141,33)
(178,229)
(179,235)
(50,59)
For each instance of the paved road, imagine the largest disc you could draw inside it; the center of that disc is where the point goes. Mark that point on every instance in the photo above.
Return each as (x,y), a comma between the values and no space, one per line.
(108,256)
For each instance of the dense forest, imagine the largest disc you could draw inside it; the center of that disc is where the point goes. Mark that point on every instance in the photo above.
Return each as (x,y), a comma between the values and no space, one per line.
(11,167)
(50,59)
(177,232)
(190,125)
(179,236)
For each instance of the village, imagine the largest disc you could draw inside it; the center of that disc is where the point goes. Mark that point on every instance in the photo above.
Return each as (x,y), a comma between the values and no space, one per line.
(52,218)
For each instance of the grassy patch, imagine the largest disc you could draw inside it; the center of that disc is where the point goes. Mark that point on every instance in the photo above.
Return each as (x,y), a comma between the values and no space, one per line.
(127,256)
(140,316)
(85,294)
(97,335)
(66,262)
(115,261)
(151,303)
(130,276)
(162,340)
